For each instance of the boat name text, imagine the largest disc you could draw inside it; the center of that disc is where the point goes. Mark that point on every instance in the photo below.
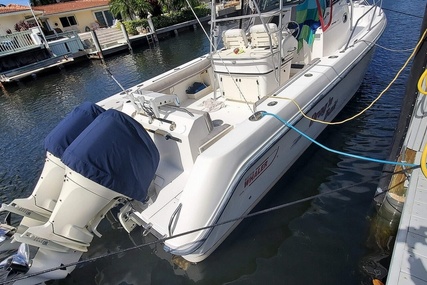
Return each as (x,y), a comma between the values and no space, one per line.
(325,111)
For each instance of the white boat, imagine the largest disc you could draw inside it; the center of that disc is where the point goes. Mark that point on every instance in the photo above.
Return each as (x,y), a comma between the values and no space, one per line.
(200,144)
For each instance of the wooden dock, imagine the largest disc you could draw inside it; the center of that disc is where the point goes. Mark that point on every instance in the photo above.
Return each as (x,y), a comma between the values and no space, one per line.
(111,40)
(94,45)
(34,68)
(409,260)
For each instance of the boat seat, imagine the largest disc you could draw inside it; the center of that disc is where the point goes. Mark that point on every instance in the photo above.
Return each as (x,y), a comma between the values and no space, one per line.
(260,36)
(234,38)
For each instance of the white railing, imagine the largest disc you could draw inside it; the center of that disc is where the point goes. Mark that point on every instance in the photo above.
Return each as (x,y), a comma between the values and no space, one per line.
(65,43)
(19,41)
(60,44)
(56,36)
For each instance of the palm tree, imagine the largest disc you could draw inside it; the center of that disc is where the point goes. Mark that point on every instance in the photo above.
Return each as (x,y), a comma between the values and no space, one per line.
(176,5)
(129,9)
(41,2)
(172,5)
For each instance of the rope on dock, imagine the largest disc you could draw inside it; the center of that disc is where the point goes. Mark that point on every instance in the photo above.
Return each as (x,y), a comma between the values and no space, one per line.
(403,164)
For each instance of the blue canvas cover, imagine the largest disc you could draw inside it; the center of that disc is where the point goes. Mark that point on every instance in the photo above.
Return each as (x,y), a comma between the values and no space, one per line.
(70,128)
(116,152)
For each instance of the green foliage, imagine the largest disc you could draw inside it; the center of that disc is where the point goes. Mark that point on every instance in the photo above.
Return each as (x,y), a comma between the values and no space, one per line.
(156,7)
(166,20)
(21,26)
(128,9)
(177,5)
(131,25)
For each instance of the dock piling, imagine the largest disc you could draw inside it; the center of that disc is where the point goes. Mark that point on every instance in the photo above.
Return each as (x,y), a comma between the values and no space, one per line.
(151,25)
(97,45)
(126,36)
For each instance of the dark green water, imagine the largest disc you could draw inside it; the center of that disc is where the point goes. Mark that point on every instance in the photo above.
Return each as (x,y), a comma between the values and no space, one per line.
(323,241)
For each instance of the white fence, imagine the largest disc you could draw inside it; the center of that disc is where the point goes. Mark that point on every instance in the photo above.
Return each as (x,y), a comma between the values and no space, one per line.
(65,43)
(60,44)
(19,41)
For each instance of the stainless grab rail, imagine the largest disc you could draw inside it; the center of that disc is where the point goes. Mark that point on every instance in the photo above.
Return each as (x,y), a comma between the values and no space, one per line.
(375,6)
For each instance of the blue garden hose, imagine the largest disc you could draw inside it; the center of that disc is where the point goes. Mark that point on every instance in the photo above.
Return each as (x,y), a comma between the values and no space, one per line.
(403,164)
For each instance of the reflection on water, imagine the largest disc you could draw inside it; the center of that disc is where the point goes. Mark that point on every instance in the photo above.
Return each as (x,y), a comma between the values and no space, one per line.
(322,241)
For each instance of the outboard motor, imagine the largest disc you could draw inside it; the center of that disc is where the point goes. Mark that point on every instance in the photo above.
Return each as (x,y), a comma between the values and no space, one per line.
(39,205)
(112,162)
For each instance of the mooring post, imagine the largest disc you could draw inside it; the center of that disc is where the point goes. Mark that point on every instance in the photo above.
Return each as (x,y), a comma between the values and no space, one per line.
(126,36)
(97,45)
(152,29)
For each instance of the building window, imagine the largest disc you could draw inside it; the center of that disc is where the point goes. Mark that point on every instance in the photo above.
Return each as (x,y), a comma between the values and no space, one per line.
(68,21)
(104,18)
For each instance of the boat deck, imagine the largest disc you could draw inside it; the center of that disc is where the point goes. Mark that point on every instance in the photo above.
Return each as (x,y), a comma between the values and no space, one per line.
(229,111)
(409,260)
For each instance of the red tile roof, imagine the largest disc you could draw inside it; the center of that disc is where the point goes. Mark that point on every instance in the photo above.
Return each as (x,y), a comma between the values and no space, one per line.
(71,6)
(10,8)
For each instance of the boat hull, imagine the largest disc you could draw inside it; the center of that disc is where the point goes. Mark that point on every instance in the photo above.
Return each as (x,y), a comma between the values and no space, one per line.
(276,148)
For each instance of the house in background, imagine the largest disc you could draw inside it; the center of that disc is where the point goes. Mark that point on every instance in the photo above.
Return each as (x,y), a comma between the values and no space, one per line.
(78,15)
(12,14)
(61,33)
(29,46)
